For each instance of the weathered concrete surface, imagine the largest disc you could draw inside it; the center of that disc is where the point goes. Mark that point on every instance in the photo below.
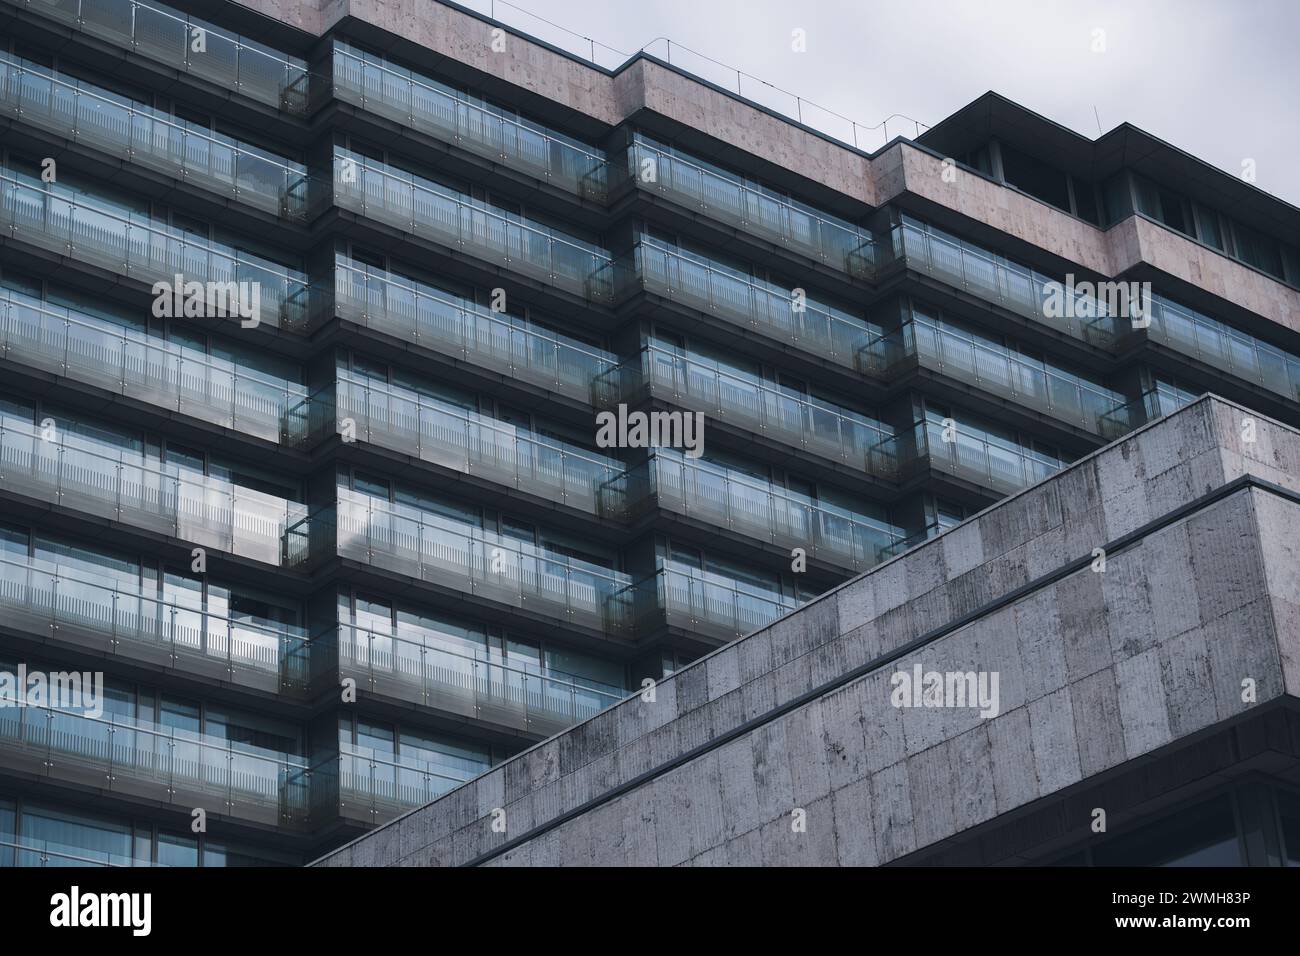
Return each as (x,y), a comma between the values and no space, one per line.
(893,172)
(1100,673)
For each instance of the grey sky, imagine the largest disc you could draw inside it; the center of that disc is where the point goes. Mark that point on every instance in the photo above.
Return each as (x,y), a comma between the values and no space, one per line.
(1218,78)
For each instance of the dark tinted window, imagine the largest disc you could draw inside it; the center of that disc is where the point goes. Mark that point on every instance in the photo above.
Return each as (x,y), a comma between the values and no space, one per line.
(1035,177)
(1085,201)
(1204,835)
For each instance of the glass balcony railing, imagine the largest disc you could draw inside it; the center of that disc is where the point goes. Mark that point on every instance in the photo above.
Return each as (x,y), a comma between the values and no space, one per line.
(429,210)
(127,486)
(704,604)
(998,281)
(747,401)
(141,759)
(468,442)
(90,231)
(1210,341)
(1091,320)
(752,303)
(141,134)
(468,682)
(973,457)
(374,787)
(465,558)
(438,320)
(429,107)
(730,199)
(922,343)
(127,362)
(29,852)
(107,617)
(186,43)
(757,509)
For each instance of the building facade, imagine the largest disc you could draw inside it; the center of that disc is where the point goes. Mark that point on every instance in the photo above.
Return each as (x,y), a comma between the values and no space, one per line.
(309,316)
(999,695)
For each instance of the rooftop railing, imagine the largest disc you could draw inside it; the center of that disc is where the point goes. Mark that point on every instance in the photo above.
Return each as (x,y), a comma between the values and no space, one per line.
(128,362)
(129,487)
(775,313)
(45,600)
(89,230)
(188,44)
(429,107)
(996,369)
(760,510)
(468,682)
(141,759)
(438,320)
(141,134)
(429,210)
(462,557)
(782,221)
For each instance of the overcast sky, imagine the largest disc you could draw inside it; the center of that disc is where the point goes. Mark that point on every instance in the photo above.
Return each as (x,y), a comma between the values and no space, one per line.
(1218,78)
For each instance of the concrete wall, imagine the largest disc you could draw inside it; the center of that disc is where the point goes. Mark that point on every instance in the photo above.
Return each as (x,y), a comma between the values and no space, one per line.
(1096,670)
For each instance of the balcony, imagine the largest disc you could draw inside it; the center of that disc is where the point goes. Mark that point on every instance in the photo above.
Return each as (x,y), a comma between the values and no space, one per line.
(373,788)
(28,852)
(126,362)
(140,134)
(465,558)
(429,107)
(726,499)
(704,604)
(425,209)
(89,230)
(1001,282)
(992,465)
(465,441)
(114,620)
(140,759)
(169,36)
(920,343)
(750,303)
(1207,340)
(747,401)
(467,682)
(445,323)
(128,487)
(729,199)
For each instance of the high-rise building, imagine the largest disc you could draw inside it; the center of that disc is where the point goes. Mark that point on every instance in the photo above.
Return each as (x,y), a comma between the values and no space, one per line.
(313,324)
(1097,671)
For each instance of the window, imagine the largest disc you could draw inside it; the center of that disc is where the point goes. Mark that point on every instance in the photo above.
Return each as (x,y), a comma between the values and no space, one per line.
(1207,227)
(74,836)
(1288,812)
(375,738)
(8,832)
(978,159)
(1204,835)
(177,850)
(1258,250)
(1035,177)
(1172,211)
(1085,202)
(947,514)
